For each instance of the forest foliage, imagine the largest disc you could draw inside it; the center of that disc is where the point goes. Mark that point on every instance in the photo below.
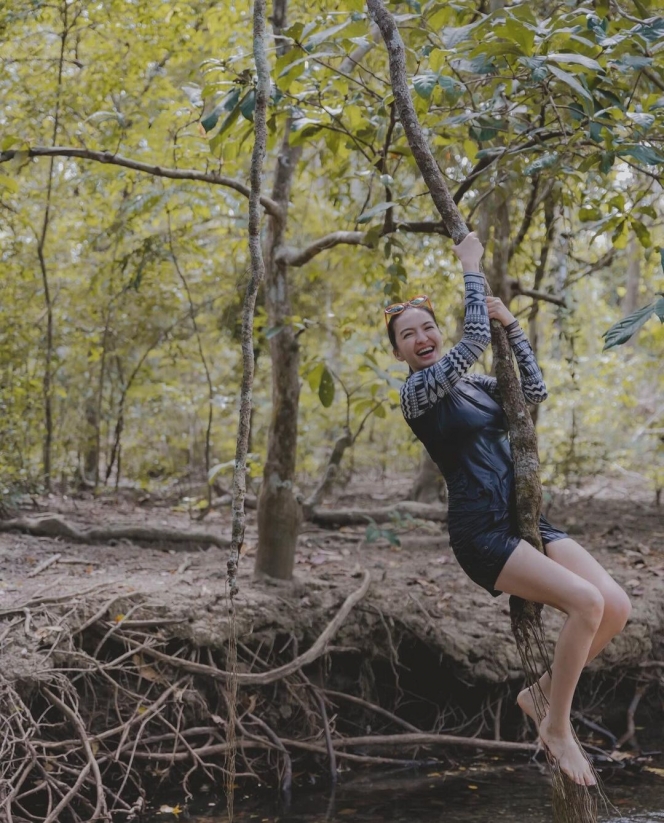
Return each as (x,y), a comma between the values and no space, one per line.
(122,281)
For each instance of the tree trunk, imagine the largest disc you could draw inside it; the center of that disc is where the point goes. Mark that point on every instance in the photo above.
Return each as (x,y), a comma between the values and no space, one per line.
(429,485)
(279,513)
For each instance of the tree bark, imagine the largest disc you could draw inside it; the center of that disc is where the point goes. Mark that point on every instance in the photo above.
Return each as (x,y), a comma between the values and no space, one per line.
(279,513)
(429,485)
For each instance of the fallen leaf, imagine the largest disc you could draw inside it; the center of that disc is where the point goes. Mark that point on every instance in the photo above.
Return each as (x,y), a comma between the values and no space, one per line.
(145,671)
(470,786)
(176,810)
(658,772)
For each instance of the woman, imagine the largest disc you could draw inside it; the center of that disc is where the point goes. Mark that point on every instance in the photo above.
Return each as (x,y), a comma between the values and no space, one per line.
(459,419)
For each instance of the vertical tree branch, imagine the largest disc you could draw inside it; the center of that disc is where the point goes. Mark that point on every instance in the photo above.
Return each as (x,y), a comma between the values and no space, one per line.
(572,803)
(244,423)
(522,431)
(41,244)
(279,512)
(206,369)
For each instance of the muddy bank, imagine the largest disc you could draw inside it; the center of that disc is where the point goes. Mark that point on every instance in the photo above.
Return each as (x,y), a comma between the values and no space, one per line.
(116,651)
(417,588)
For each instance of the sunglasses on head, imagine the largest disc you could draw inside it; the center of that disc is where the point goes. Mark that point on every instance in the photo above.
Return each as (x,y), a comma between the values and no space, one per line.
(397,308)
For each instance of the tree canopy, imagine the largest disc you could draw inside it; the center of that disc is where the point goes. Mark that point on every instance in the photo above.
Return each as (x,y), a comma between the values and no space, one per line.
(126,141)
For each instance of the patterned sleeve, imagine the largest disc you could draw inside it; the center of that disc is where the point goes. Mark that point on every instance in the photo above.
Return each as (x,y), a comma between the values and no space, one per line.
(532,382)
(425,388)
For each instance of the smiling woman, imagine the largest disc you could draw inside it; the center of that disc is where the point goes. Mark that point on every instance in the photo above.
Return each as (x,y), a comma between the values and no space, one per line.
(460,420)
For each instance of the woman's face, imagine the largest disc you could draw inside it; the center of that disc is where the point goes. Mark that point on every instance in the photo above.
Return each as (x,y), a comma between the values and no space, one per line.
(418,338)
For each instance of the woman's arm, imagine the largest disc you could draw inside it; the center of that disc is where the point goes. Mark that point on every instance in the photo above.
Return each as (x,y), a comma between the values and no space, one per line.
(425,388)
(532,381)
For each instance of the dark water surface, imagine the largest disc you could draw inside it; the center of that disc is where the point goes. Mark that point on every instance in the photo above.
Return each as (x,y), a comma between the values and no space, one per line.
(473,795)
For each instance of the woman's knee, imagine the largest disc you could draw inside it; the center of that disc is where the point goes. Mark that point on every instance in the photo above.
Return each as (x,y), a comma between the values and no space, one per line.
(587,603)
(617,608)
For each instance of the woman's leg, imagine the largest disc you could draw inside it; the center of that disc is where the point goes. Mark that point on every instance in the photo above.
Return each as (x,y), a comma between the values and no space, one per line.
(617,608)
(531,575)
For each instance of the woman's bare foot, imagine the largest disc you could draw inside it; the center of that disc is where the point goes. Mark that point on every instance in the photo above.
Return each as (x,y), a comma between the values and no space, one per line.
(567,753)
(526,702)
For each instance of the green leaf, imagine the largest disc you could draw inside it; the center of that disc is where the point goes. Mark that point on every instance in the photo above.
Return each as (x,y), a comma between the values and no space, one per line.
(579,59)
(544,162)
(8,183)
(652,30)
(641,119)
(424,84)
(624,329)
(643,154)
(589,213)
(608,158)
(391,537)
(658,308)
(641,231)
(517,32)
(274,331)
(227,104)
(315,375)
(376,210)
(633,61)
(450,85)
(326,34)
(571,81)
(453,36)
(248,105)
(326,388)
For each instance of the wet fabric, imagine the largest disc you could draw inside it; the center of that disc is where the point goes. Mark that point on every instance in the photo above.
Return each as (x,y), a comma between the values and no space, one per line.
(483,542)
(461,423)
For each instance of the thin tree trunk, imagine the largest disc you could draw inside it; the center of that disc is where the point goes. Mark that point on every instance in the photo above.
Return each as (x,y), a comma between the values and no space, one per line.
(248,308)
(206,369)
(279,513)
(47,384)
(100,397)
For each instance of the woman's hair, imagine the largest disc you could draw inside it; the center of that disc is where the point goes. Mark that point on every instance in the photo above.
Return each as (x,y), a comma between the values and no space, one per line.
(390,325)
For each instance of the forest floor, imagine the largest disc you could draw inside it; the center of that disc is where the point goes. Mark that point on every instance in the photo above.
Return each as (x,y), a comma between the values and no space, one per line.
(124,630)
(416,584)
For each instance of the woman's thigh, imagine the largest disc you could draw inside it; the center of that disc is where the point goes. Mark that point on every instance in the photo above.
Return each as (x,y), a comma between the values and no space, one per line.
(531,575)
(575,558)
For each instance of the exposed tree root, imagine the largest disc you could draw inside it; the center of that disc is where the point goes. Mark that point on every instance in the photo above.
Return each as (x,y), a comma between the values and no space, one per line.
(117,707)
(334,518)
(50,525)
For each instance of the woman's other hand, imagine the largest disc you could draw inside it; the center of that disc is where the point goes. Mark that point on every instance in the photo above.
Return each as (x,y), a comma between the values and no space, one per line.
(499,311)
(469,251)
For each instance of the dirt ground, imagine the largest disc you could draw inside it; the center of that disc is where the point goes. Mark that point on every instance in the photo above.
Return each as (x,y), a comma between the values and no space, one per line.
(417,588)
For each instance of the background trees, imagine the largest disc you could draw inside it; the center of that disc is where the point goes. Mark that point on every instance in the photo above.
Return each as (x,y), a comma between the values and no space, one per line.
(126,140)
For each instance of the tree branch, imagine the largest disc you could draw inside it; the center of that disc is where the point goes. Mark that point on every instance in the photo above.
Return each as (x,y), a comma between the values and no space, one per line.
(537,295)
(270,206)
(527,218)
(298,257)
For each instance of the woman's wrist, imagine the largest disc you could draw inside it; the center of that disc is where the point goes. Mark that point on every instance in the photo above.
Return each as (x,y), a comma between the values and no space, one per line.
(471,266)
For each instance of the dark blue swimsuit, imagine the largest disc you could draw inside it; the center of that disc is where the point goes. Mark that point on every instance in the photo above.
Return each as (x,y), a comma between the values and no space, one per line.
(462,425)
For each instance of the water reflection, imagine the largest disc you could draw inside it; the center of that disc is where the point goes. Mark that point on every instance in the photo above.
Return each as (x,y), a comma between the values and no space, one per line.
(473,795)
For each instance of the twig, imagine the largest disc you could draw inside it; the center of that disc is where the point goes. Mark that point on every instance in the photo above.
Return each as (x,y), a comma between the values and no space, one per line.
(44,565)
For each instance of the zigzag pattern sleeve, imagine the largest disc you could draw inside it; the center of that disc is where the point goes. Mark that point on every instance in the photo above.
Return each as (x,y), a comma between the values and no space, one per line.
(425,388)
(532,381)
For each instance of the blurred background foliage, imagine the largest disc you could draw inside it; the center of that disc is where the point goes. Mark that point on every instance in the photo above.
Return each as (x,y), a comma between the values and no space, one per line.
(122,288)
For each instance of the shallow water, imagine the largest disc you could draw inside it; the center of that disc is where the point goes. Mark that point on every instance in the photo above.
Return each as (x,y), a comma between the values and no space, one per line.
(472,795)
